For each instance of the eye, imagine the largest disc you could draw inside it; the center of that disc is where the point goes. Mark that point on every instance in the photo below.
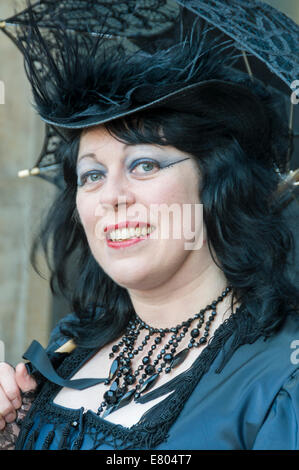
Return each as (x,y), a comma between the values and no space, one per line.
(90,177)
(144,167)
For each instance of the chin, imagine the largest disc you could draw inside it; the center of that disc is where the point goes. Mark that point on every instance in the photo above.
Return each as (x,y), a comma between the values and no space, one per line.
(140,270)
(126,272)
(134,281)
(136,277)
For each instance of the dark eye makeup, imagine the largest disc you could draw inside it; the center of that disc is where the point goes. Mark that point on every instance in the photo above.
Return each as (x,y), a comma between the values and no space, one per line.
(142,162)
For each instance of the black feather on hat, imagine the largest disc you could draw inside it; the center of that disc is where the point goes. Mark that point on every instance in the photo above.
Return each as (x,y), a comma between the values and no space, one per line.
(92,80)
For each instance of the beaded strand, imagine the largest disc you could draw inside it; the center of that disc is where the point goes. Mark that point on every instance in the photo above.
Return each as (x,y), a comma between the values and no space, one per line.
(121,375)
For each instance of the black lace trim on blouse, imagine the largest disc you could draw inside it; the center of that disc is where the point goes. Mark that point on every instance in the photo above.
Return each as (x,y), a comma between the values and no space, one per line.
(153,427)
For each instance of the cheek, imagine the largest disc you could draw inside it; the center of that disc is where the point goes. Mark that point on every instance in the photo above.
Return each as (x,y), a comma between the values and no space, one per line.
(176,210)
(183,191)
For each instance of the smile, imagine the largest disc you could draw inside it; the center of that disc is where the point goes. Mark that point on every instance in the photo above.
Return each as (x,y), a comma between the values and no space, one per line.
(127,234)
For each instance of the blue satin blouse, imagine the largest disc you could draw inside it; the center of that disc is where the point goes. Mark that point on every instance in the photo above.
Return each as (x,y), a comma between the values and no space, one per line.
(252,404)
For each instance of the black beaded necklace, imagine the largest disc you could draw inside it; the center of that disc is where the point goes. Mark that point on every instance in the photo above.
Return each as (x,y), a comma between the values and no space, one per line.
(121,376)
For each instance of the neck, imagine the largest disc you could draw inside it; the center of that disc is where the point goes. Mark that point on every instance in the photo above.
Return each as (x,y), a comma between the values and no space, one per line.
(182,296)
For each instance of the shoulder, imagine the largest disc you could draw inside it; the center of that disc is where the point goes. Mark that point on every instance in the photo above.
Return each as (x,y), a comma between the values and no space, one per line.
(281,351)
(257,372)
(279,429)
(72,325)
(270,361)
(260,386)
(58,336)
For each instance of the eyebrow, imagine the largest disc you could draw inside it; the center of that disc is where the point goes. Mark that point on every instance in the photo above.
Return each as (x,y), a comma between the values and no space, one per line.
(93,155)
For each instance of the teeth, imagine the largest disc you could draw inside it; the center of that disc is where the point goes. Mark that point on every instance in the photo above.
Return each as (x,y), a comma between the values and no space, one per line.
(131,232)
(117,233)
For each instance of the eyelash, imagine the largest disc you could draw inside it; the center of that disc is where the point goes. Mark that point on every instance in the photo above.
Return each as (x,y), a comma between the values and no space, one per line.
(82,180)
(136,163)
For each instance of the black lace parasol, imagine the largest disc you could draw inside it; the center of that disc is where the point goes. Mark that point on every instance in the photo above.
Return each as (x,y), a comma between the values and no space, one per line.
(134,45)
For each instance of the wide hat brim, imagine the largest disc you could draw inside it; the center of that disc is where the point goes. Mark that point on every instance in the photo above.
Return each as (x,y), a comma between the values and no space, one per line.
(171,101)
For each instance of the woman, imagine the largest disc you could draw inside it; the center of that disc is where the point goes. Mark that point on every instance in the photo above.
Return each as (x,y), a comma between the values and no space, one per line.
(144,305)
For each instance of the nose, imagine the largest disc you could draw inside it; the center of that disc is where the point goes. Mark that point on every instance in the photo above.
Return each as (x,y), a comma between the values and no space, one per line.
(116,193)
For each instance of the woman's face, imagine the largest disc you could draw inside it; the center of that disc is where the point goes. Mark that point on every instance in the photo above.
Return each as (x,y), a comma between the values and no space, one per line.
(122,186)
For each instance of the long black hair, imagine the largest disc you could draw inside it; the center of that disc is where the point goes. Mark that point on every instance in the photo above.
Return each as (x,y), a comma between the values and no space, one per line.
(235,138)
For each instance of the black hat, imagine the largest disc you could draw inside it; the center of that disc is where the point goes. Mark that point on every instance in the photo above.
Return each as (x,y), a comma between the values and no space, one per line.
(90,62)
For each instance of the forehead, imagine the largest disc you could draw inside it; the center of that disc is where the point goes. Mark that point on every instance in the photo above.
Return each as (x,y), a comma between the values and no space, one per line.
(98,141)
(96,138)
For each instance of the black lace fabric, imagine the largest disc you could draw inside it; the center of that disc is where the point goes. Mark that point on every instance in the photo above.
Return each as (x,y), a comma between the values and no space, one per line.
(11,431)
(123,17)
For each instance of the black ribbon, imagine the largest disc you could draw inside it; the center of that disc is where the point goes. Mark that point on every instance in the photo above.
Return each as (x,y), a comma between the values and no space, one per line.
(38,357)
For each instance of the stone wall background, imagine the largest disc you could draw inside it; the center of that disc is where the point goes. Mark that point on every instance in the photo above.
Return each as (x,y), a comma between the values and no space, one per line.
(27,309)
(25,298)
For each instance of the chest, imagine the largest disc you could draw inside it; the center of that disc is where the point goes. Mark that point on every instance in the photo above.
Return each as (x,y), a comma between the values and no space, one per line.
(91,398)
